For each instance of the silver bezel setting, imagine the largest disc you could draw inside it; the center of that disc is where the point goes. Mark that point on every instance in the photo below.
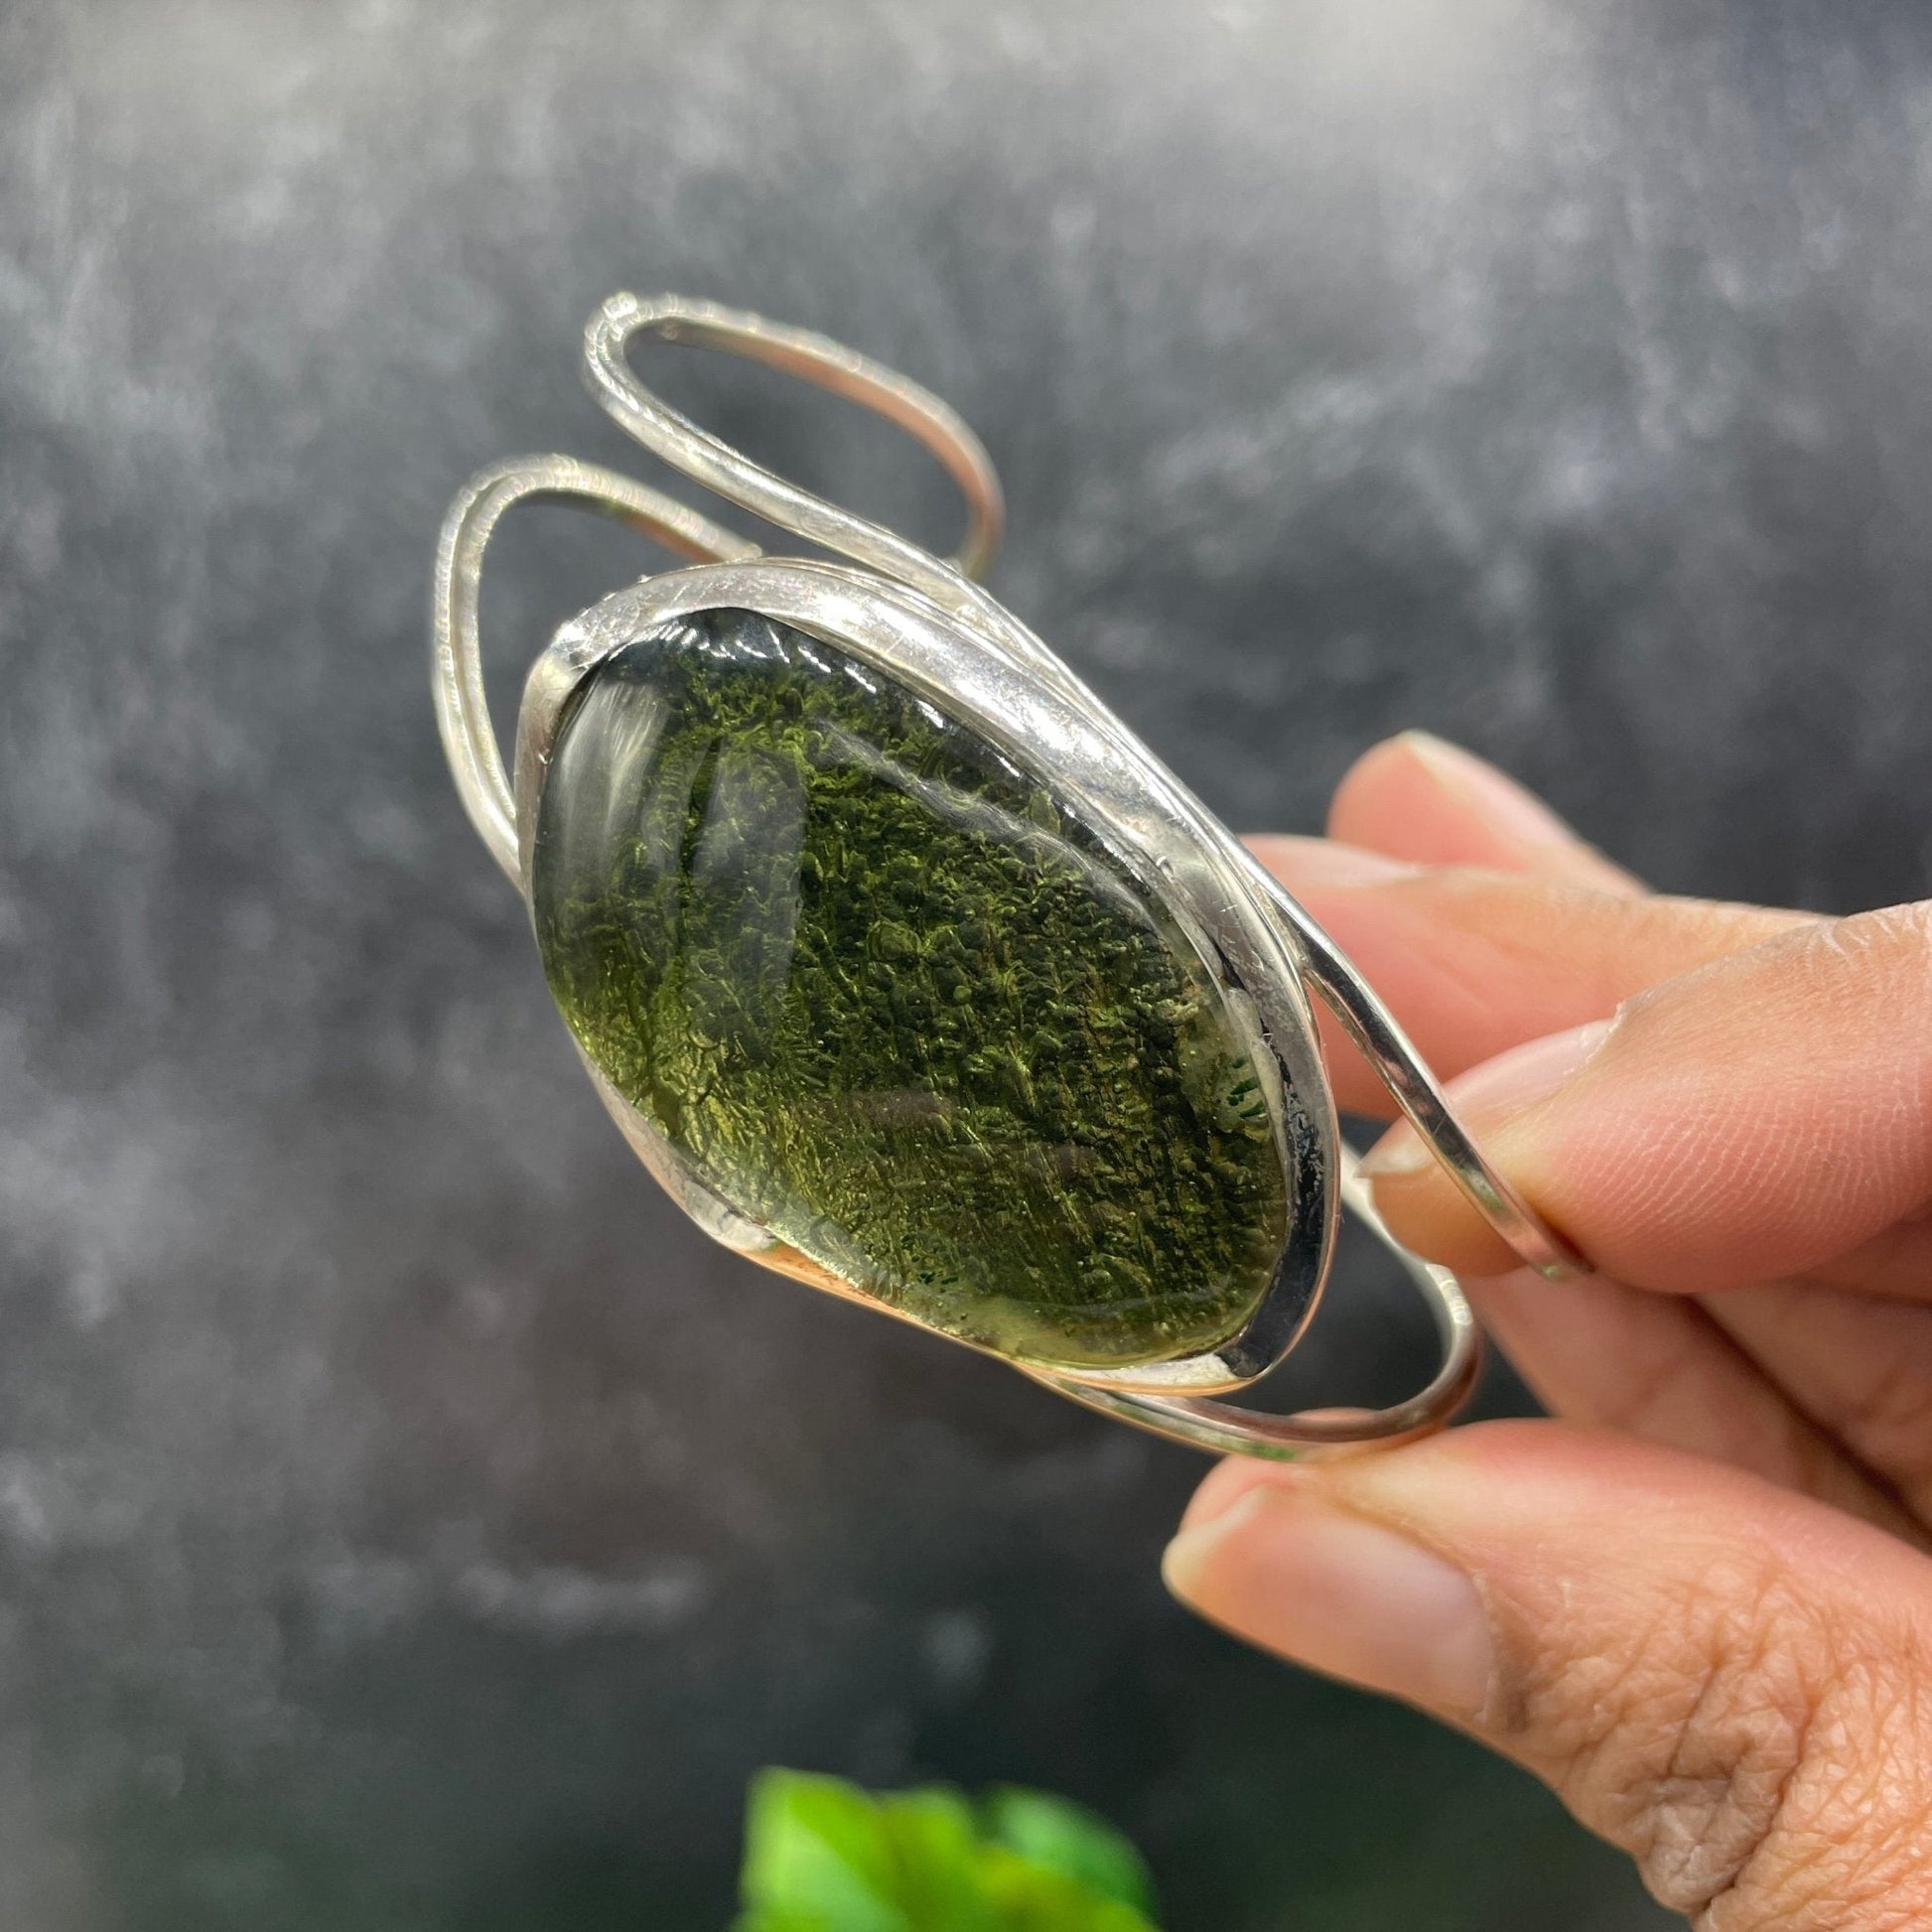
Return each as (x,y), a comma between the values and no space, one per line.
(925,621)
(1121,796)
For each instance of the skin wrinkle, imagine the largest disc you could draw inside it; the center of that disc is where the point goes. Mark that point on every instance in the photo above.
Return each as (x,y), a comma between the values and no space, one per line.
(1866,1485)
(1684,1755)
(1755,1761)
(1676,1751)
(1736,1789)
(1636,1174)
(1717,930)
(1726,1746)
(1703,1816)
(1863,1767)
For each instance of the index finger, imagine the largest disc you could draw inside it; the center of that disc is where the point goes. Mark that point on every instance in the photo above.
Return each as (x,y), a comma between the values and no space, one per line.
(1474,963)
(1765,1116)
(1419,797)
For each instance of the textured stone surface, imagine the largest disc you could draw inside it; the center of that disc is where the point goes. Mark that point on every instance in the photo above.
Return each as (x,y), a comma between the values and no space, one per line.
(407,1519)
(896,1003)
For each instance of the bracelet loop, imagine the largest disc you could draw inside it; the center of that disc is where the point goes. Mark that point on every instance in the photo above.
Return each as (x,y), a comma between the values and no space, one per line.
(455,644)
(730,474)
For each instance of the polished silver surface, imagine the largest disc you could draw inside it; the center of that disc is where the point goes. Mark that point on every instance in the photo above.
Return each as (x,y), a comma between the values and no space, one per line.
(926,622)
(827,365)
(462,708)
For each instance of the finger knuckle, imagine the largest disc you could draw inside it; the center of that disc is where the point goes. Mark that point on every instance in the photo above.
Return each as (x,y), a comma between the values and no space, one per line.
(1763,1762)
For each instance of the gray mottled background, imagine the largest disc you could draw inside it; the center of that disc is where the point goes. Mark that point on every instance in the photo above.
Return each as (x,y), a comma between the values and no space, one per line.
(405,1521)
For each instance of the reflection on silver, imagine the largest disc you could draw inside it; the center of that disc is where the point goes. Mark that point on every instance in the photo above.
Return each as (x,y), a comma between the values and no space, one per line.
(927,622)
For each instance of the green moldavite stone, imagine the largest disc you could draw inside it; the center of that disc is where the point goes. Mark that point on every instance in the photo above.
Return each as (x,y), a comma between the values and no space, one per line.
(889,1000)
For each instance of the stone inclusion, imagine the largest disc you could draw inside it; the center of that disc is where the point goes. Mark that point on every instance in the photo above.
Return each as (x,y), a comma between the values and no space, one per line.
(888,999)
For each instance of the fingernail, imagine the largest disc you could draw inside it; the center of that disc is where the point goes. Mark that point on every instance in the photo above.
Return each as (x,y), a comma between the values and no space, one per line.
(1493,1092)
(1339,1594)
(1312,863)
(1499,798)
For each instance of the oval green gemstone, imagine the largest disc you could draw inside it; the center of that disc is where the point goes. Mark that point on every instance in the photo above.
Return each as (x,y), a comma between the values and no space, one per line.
(888,998)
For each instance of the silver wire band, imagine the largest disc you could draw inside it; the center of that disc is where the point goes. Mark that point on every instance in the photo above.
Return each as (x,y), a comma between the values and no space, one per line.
(1415,1089)
(827,364)
(456,644)
(477,760)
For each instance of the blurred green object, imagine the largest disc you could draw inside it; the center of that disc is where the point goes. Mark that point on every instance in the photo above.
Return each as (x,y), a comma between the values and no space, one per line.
(822,1856)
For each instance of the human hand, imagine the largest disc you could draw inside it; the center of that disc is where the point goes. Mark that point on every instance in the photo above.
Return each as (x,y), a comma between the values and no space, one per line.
(1698,1605)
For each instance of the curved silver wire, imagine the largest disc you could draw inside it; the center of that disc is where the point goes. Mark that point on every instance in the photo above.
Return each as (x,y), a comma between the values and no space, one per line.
(1415,1089)
(1227,1430)
(826,365)
(456,645)
(476,758)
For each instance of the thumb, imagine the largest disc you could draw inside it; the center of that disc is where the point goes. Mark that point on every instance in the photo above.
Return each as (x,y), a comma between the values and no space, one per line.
(1727,1680)
(1768,1114)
